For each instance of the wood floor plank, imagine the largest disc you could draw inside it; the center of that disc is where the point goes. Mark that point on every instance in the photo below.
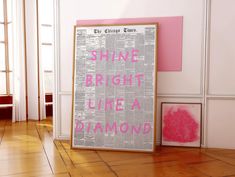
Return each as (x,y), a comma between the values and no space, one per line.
(5,157)
(215,168)
(23,166)
(39,174)
(225,157)
(95,171)
(193,157)
(153,170)
(109,156)
(53,156)
(28,150)
(79,157)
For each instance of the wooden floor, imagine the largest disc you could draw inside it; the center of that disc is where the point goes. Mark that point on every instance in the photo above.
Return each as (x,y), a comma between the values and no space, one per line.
(27,149)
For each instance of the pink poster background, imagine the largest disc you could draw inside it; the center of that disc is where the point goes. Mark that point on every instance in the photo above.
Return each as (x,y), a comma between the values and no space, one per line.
(170,36)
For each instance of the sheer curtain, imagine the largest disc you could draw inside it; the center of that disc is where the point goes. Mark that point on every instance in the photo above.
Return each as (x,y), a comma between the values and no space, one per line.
(19,90)
(45,53)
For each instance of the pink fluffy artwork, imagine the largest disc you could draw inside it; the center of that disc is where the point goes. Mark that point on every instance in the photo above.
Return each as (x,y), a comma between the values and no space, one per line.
(181,124)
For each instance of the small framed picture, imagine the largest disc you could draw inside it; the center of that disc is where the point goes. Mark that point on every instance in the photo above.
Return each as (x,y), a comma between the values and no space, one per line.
(181,124)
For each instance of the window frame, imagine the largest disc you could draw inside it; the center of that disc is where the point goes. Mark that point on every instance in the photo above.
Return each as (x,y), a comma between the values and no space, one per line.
(7,70)
(45,71)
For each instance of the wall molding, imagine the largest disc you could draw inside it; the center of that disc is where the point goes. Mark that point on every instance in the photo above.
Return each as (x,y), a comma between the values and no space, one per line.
(179,96)
(220,97)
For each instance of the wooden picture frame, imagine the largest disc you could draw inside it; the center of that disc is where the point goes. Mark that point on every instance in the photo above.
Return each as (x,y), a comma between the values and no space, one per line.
(181,124)
(89,120)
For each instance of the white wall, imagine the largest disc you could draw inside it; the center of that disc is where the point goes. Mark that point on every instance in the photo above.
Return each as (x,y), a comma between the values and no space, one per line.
(221,121)
(222,48)
(184,85)
(221,75)
(199,80)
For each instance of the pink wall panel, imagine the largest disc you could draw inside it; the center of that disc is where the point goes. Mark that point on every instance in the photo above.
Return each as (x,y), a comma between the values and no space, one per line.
(170,37)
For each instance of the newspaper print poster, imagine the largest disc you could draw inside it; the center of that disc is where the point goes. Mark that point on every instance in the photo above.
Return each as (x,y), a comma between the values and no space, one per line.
(114,88)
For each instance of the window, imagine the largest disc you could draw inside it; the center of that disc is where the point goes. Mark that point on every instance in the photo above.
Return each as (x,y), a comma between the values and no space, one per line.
(46,43)
(6,47)
(45,9)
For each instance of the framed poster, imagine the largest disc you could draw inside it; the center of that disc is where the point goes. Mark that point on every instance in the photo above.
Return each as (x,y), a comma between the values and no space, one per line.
(114,87)
(181,124)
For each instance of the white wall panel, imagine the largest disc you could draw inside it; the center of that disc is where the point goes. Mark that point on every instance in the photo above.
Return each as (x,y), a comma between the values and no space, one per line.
(189,81)
(65,109)
(221,121)
(222,48)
